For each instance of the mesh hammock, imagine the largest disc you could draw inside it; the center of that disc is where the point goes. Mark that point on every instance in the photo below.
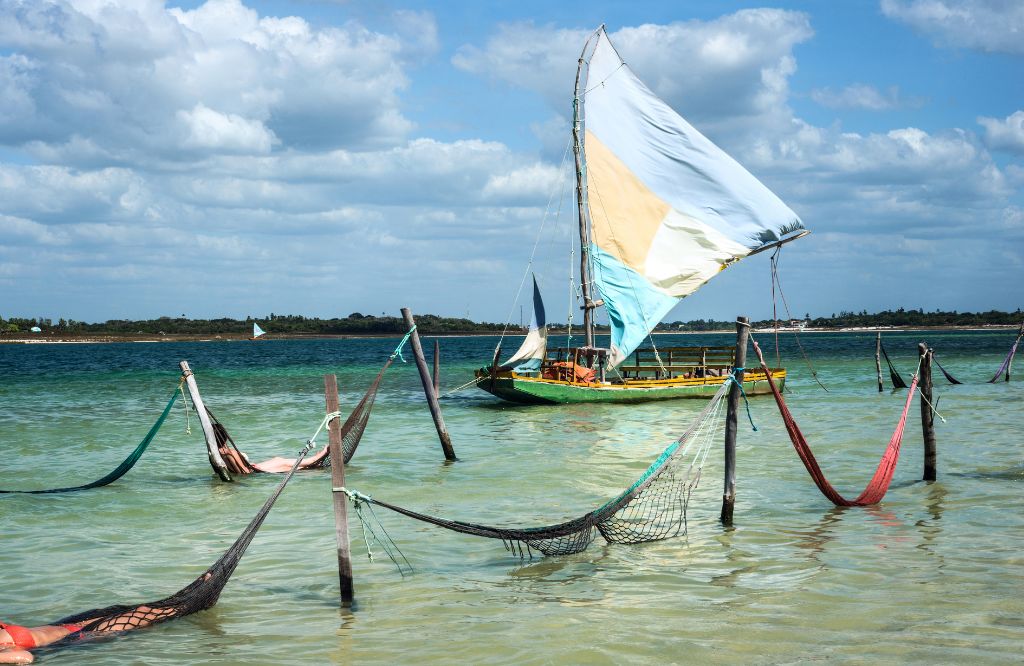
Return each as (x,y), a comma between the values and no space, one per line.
(894,375)
(879,484)
(351,434)
(653,508)
(121,469)
(1005,367)
(201,594)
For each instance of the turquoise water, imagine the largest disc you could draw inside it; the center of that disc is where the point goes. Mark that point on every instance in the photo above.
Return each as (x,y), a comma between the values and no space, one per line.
(933,574)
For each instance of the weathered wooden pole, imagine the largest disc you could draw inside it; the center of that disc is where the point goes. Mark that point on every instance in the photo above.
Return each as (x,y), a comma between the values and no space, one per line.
(204,419)
(340,501)
(428,388)
(927,413)
(1009,364)
(729,493)
(878,360)
(437,367)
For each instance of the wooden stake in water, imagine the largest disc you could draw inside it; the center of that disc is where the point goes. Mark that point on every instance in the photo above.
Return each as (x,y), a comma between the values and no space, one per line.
(729,493)
(927,413)
(1009,364)
(204,419)
(428,388)
(878,360)
(340,501)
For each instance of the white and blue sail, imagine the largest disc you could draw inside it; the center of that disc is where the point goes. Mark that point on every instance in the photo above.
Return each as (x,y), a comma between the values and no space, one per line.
(531,353)
(256,330)
(668,210)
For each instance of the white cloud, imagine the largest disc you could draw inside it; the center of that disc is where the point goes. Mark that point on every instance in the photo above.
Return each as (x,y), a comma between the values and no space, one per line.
(1007,134)
(737,66)
(121,74)
(985,25)
(863,96)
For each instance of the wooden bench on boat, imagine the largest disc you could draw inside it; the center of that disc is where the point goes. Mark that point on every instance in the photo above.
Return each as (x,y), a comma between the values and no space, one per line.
(685,362)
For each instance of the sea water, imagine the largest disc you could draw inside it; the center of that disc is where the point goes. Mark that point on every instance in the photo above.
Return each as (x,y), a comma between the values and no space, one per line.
(932,574)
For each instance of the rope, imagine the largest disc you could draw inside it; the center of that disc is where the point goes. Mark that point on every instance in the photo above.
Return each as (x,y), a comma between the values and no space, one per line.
(796,334)
(184,404)
(739,385)
(475,380)
(398,349)
(387,544)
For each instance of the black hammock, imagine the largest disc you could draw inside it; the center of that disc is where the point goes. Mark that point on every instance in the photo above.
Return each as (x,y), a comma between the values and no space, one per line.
(351,434)
(897,380)
(201,594)
(121,469)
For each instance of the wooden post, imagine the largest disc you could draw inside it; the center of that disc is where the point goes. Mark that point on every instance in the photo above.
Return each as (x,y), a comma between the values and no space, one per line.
(927,414)
(1009,364)
(878,360)
(729,493)
(340,501)
(204,419)
(428,388)
(437,367)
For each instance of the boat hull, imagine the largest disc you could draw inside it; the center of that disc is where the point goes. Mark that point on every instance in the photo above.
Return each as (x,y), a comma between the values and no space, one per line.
(533,390)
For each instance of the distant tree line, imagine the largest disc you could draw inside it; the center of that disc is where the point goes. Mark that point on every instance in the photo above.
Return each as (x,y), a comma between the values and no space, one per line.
(360,324)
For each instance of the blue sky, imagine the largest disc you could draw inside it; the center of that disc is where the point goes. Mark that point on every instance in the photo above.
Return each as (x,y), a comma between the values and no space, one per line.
(319,157)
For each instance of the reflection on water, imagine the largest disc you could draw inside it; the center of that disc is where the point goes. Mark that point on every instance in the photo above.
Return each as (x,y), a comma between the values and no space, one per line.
(921,577)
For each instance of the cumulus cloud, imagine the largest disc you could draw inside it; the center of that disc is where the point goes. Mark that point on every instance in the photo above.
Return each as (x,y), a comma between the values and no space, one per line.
(1006,134)
(863,96)
(126,76)
(737,66)
(985,25)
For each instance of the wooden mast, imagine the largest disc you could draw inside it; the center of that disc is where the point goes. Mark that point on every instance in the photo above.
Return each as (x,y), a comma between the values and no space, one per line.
(581,205)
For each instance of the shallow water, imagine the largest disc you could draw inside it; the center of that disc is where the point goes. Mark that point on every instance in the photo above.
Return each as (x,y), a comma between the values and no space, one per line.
(931,574)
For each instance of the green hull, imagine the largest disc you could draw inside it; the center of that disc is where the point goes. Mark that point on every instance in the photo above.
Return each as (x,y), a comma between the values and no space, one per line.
(529,390)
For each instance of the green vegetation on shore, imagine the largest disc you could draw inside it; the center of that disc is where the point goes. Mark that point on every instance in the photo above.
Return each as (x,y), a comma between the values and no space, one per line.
(360,324)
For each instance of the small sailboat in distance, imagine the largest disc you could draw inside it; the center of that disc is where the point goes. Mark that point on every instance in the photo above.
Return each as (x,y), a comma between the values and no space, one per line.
(257,331)
(661,210)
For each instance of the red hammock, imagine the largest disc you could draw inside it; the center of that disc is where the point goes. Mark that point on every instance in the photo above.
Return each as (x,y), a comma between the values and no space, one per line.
(879,483)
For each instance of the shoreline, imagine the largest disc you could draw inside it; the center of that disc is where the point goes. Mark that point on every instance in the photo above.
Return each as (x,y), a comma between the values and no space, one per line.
(47,338)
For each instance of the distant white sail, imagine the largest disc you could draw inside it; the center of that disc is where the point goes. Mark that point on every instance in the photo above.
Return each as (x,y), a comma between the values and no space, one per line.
(256,330)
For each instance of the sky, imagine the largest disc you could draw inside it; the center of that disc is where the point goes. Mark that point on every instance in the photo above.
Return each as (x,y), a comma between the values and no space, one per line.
(234,158)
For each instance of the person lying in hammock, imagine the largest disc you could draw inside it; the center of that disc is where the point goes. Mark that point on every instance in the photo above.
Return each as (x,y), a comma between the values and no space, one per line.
(239,463)
(16,640)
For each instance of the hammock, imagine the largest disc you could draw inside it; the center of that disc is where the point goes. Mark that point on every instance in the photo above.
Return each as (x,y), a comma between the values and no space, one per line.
(1005,367)
(121,469)
(897,381)
(949,378)
(351,434)
(879,484)
(653,508)
(201,594)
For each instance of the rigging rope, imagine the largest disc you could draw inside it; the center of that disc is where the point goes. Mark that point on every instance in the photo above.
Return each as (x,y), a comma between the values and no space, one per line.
(796,334)
(879,483)
(653,508)
(121,469)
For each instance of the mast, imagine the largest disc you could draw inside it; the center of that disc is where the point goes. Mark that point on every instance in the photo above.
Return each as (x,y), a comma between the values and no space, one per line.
(581,206)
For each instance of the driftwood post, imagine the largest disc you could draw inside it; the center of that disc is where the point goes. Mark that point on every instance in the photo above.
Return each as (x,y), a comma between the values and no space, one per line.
(428,388)
(1009,364)
(340,501)
(729,493)
(927,413)
(204,419)
(437,367)
(878,360)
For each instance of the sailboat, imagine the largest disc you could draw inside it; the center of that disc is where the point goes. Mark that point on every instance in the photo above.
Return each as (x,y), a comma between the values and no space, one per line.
(257,331)
(661,211)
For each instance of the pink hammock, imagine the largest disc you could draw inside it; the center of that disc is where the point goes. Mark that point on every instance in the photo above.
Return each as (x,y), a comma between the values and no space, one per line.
(879,483)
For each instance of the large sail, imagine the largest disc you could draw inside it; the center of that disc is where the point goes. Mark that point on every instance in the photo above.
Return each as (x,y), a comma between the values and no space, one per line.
(668,209)
(531,353)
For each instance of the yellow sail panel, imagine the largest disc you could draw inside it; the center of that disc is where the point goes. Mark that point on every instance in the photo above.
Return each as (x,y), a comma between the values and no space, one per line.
(625,215)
